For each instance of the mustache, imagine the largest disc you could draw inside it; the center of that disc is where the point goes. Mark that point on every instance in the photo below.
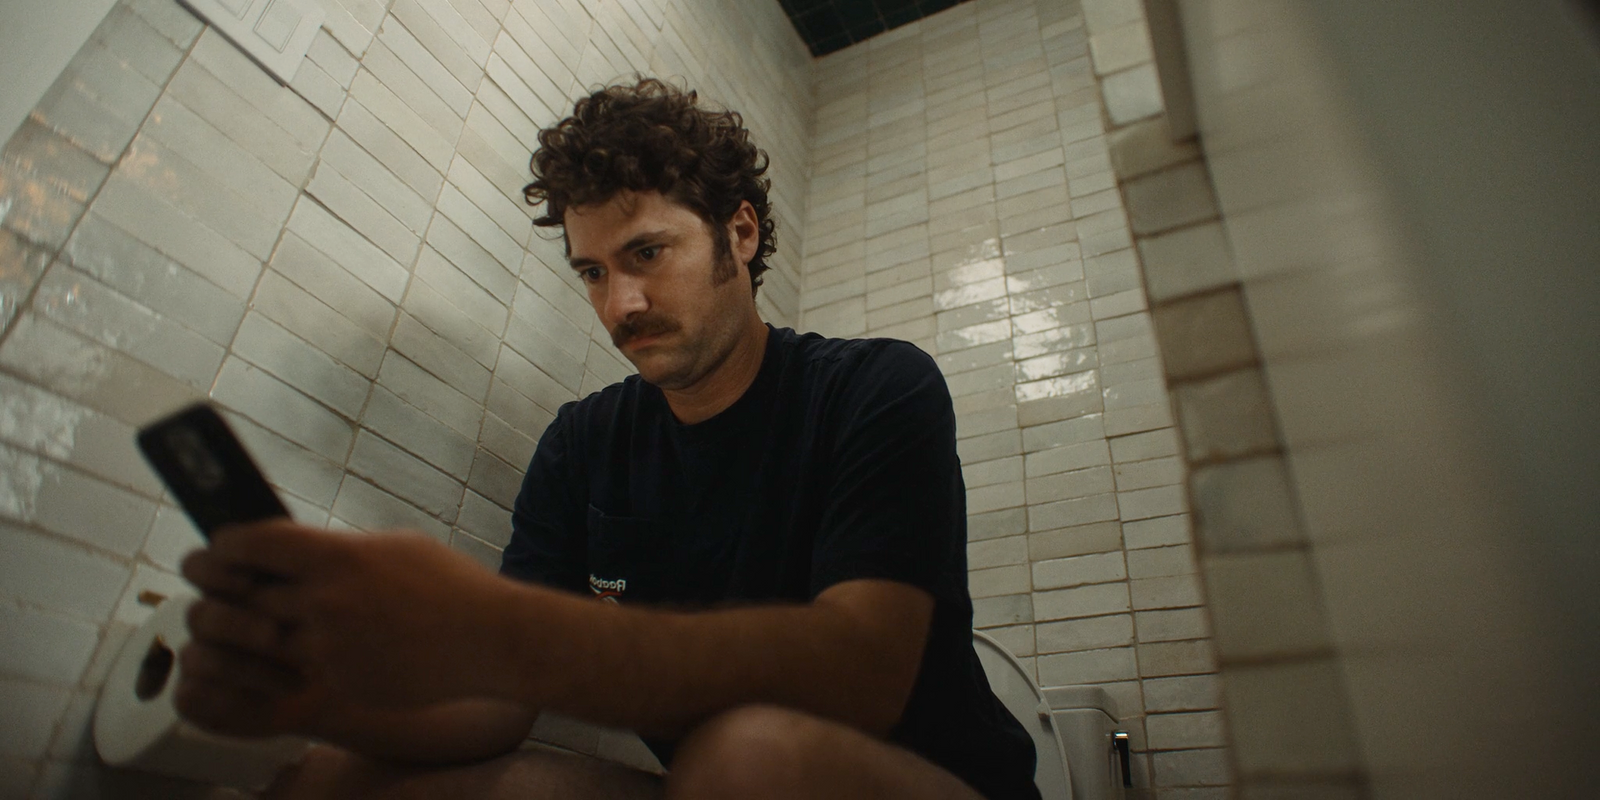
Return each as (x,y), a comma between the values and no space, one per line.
(643,325)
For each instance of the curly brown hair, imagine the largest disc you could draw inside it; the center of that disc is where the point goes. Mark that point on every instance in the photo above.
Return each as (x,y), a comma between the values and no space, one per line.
(653,136)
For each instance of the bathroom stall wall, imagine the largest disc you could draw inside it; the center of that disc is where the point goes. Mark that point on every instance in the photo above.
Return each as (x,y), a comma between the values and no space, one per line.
(963,198)
(1380,332)
(344,265)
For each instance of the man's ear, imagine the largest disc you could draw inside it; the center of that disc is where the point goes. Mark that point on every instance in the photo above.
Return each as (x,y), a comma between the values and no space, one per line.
(744,233)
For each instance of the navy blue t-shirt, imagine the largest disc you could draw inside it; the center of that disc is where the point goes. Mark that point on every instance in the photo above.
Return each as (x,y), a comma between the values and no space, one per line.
(838,463)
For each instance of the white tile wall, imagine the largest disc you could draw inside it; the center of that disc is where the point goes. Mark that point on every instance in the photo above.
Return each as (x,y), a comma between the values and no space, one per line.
(963,198)
(344,264)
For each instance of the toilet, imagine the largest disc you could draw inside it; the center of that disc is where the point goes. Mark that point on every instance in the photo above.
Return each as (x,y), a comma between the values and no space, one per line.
(1081,754)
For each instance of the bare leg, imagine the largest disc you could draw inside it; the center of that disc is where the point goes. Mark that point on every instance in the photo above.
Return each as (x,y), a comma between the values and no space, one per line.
(776,753)
(532,773)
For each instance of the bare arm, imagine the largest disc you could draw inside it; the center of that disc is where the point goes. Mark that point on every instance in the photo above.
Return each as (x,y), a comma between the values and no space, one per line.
(850,655)
(451,732)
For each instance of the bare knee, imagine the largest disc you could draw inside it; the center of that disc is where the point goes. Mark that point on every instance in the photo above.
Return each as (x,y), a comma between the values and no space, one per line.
(750,751)
(326,772)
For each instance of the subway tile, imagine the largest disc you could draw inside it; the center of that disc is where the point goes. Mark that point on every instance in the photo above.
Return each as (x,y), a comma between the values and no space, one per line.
(1204,334)
(440,357)
(317,274)
(291,467)
(990,420)
(301,364)
(64,501)
(1053,340)
(1265,604)
(21,265)
(447,44)
(362,213)
(1069,485)
(1226,417)
(1096,537)
(1146,445)
(428,393)
(283,410)
(1187,260)
(1132,94)
(996,524)
(416,131)
(45,183)
(375,136)
(1078,571)
(210,149)
(1079,511)
(50,425)
(1244,505)
(1168,625)
(412,429)
(1016,639)
(58,647)
(84,305)
(1004,551)
(178,236)
(46,572)
(398,472)
(509,215)
(98,103)
(477,549)
(369,508)
(374,180)
(1089,666)
(1066,457)
(335,334)
(529,341)
(989,612)
(1160,562)
(151,279)
(1083,601)
(1001,470)
(268,128)
(1207,767)
(1148,474)
(32,710)
(89,373)
(530,381)
(1159,501)
(485,520)
(1157,532)
(1185,731)
(990,446)
(1176,591)
(172,537)
(1169,199)
(996,581)
(480,227)
(349,249)
(1182,693)
(1084,634)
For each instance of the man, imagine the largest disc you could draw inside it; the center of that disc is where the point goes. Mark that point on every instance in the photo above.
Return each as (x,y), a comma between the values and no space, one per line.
(774,525)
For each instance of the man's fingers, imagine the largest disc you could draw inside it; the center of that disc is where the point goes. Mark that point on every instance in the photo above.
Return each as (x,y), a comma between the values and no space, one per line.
(279,548)
(214,577)
(224,667)
(220,623)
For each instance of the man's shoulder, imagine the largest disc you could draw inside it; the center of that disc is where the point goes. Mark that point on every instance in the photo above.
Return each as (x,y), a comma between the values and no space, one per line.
(878,356)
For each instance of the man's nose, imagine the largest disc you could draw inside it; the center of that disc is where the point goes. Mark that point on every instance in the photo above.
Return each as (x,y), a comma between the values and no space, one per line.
(625,297)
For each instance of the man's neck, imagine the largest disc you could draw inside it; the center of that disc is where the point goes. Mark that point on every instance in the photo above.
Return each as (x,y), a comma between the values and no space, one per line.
(724,385)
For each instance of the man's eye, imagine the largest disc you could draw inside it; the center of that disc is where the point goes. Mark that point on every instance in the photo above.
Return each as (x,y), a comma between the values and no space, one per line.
(591,274)
(648,253)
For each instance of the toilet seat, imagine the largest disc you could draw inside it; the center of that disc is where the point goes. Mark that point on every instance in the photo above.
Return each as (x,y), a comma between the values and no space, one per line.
(1022,697)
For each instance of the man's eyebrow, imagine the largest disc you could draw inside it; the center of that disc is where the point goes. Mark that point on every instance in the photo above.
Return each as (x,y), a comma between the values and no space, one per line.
(648,237)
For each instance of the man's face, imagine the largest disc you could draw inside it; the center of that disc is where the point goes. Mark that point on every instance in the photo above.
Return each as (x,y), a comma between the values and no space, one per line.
(651,269)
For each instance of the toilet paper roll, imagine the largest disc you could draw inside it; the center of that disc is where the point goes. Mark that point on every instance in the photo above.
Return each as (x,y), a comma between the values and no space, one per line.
(137,726)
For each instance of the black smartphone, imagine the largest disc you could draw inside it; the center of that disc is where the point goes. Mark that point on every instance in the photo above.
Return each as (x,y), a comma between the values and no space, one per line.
(202,462)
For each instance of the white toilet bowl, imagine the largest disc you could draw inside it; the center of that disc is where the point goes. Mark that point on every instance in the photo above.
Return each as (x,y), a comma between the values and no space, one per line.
(1081,754)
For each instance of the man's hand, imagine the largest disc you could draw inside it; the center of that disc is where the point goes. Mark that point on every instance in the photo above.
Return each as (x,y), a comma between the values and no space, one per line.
(385,620)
